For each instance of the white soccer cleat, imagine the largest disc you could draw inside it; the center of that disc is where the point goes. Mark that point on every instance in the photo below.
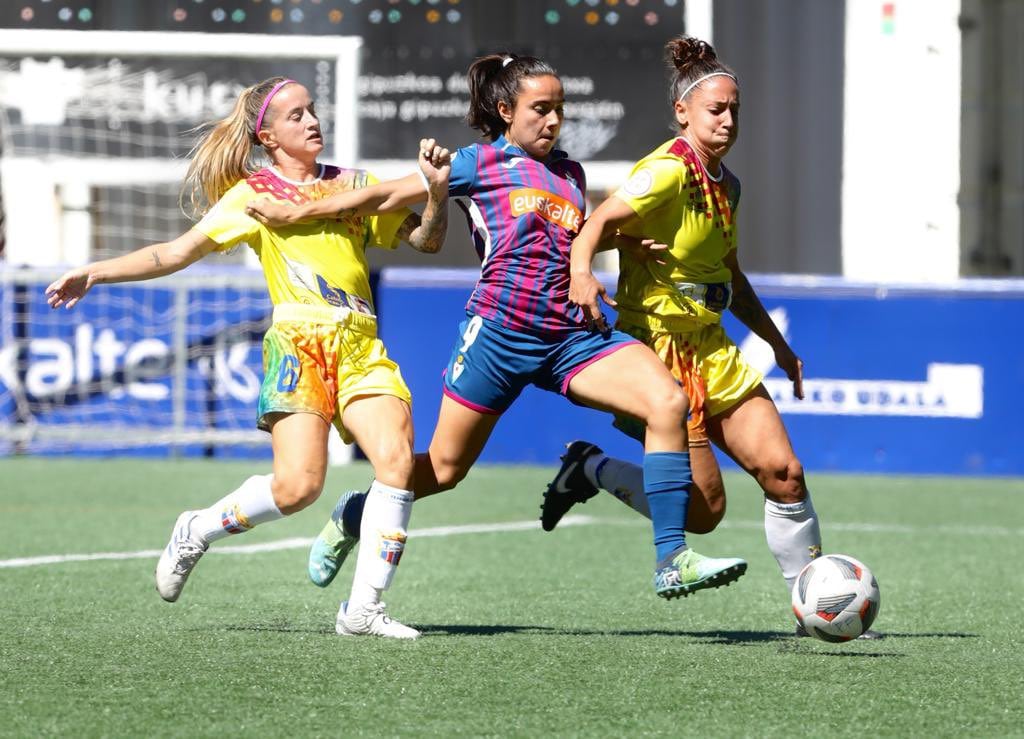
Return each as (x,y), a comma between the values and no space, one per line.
(371,620)
(179,558)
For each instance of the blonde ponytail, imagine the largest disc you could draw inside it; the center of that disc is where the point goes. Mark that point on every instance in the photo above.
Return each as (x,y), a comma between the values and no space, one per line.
(226,153)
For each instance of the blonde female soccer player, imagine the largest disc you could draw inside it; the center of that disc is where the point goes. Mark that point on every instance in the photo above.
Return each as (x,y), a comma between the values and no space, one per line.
(682,195)
(323,362)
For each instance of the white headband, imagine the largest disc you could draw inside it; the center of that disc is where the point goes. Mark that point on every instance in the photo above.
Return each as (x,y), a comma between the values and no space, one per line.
(701,79)
(506,61)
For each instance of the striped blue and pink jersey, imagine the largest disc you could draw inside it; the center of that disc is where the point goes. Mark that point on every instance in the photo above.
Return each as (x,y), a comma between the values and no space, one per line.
(523,215)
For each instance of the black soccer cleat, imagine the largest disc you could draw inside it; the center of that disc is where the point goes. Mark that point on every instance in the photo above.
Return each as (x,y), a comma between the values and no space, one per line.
(570,485)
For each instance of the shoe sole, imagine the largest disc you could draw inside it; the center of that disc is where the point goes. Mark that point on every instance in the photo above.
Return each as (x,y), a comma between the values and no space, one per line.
(717,580)
(369,635)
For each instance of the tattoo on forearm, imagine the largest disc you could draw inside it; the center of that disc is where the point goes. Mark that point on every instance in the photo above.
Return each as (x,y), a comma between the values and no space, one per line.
(426,234)
(156,258)
(408,227)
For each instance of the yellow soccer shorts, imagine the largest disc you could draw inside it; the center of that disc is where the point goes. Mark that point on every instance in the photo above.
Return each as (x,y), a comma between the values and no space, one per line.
(319,367)
(709,367)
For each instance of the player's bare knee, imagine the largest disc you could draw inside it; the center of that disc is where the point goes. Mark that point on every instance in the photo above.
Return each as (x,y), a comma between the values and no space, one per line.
(706,523)
(294,491)
(393,464)
(784,482)
(449,475)
(713,514)
(668,409)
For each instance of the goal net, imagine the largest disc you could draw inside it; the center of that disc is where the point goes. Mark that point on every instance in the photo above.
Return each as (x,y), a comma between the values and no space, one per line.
(95,127)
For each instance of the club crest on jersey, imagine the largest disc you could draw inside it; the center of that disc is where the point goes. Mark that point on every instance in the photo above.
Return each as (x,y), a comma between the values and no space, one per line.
(548,206)
(391,547)
(639,184)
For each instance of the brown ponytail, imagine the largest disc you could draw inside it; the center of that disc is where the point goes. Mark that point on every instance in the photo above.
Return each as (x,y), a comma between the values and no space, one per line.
(225,153)
(496,78)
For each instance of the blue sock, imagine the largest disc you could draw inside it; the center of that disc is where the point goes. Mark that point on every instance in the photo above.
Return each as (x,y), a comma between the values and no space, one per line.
(667,481)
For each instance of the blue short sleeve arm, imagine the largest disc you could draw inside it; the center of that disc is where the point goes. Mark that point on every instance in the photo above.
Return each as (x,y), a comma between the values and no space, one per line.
(463,174)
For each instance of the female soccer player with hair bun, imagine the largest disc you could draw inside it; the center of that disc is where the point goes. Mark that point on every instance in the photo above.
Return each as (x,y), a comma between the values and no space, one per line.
(681,195)
(323,362)
(524,200)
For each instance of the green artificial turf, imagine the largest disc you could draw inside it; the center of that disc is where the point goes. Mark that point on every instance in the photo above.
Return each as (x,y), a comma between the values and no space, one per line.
(526,633)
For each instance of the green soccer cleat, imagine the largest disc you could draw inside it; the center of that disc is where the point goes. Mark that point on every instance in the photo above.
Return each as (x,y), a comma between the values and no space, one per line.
(333,544)
(687,572)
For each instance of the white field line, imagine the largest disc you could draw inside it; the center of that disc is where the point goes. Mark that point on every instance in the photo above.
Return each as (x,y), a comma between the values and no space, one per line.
(892,528)
(487,528)
(293,543)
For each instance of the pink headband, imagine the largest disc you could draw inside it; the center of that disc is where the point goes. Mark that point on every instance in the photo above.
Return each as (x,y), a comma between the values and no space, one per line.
(266,102)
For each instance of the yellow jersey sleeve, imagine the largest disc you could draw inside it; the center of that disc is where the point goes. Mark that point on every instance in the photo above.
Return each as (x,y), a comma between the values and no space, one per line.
(382,228)
(652,184)
(226,222)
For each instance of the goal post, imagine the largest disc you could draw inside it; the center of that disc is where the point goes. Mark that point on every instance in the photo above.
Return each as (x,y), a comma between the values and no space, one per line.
(96,127)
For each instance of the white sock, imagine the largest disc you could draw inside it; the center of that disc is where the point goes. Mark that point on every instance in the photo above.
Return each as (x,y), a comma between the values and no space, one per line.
(382,541)
(624,480)
(238,511)
(793,535)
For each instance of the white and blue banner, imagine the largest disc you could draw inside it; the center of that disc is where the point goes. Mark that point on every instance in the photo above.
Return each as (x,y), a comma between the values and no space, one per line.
(896,379)
(134,368)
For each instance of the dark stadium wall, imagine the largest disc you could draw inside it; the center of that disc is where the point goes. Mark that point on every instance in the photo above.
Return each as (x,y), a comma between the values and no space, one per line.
(788,55)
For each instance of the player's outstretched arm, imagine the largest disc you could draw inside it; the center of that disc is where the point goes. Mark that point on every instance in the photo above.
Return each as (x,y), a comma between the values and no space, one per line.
(747,307)
(151,261)
(382,197)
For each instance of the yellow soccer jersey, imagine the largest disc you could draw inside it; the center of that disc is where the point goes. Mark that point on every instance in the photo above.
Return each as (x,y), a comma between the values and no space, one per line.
(319,262)
(680,205)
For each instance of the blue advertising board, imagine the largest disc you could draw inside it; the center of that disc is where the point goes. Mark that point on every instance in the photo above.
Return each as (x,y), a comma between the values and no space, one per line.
(128,366)
(897,379)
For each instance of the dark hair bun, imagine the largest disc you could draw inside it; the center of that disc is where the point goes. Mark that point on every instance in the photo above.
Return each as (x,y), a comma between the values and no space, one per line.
(686,51)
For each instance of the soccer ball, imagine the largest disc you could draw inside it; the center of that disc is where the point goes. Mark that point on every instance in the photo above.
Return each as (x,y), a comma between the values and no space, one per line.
(835,598)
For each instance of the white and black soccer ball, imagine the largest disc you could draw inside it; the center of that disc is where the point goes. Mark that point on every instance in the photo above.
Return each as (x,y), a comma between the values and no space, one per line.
(836,598)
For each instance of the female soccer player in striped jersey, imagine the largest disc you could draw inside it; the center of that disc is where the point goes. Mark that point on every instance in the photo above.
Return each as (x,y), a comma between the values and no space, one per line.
(323,362)
(525,202)
(682,196)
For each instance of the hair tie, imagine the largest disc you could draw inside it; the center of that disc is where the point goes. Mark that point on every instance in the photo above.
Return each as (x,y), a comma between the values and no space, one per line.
(701,79)
(506,61)
(266,102)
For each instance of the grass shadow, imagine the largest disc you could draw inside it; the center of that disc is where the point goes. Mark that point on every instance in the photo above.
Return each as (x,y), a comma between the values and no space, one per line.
(282,627)
(712,637)
(786,640)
